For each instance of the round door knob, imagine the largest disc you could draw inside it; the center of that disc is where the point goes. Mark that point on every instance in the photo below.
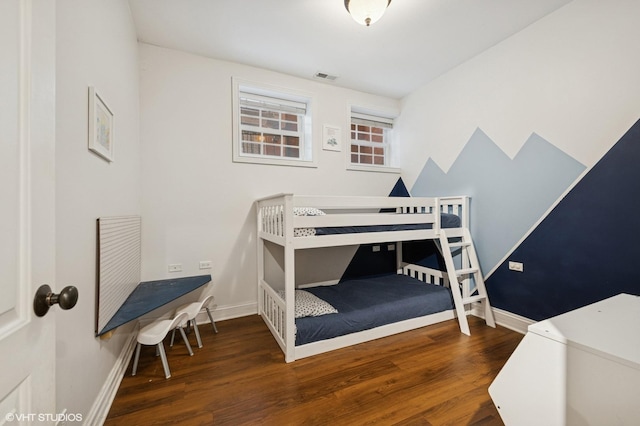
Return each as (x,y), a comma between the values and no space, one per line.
(45,298)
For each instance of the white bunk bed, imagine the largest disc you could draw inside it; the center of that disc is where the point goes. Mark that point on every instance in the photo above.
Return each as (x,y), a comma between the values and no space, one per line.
(366,220)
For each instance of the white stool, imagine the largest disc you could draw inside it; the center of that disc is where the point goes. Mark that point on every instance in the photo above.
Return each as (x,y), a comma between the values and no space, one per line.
(154,334)
(192,310)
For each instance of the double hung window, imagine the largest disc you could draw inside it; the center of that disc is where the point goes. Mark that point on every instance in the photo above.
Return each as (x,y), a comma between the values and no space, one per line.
(272,128)
(371,142)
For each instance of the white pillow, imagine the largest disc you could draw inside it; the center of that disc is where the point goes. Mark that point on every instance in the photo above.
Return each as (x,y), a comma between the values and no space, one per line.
(304,232)
(309,305)
(306,211)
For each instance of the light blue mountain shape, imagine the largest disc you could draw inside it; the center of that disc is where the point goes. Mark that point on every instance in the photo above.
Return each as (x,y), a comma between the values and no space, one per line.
(507,196)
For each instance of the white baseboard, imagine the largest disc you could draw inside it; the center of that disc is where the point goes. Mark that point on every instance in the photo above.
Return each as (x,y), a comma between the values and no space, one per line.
(506,319)
(221,313)
(101,406)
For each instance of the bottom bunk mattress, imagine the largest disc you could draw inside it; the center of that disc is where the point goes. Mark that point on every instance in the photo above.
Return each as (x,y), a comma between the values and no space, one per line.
(370,302)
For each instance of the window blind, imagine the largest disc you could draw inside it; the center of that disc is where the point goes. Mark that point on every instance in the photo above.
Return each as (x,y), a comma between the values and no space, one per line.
(371,121)
(273,104)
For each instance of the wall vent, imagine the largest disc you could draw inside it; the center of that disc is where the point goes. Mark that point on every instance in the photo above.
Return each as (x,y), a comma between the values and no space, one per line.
(325,76)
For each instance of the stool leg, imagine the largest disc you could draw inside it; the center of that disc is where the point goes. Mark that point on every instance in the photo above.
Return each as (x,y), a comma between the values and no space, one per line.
(135,360)
(213,323)
(163,356)
(195,328)
(173,335)
(186,341)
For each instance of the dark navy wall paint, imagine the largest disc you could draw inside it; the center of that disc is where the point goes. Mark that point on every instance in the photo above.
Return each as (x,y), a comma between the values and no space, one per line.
(586,249)
(399,190)
(366,262)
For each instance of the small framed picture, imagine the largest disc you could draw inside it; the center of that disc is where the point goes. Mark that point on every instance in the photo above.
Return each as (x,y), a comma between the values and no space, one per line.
(331,138)
(100,126)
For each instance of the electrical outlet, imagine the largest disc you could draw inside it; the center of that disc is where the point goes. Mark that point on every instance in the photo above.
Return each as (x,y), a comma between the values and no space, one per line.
(376,248)
(205,264)
(516,266)
(175,267)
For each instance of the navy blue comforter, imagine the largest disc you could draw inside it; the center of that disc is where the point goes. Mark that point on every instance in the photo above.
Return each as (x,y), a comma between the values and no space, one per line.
(370,302)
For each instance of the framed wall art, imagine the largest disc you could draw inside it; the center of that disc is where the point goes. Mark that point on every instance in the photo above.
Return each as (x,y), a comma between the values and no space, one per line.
(100,126)
(331,138)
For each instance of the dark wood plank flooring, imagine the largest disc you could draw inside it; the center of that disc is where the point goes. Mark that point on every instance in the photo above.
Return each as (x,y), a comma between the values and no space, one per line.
(431,376)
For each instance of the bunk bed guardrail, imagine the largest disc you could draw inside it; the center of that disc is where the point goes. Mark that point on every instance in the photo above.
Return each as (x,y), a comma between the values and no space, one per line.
(273,311)
(276,219)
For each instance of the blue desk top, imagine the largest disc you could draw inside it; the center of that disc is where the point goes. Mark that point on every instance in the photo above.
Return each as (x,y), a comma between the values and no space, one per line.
(149,295)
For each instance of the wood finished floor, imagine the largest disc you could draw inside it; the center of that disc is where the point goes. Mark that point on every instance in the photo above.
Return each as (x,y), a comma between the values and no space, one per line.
(431,376)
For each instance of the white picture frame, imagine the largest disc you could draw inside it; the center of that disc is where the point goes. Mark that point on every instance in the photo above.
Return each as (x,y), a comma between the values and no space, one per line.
(331,138)
(100,126)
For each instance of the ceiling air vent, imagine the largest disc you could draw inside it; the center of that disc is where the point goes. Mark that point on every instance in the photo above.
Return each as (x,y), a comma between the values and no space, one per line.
(325,76)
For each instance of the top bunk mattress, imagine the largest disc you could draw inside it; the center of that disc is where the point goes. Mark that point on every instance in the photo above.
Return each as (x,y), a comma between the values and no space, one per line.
(370,302)
(447,220)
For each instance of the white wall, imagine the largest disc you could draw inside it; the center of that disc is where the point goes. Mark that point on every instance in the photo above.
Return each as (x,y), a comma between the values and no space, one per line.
(573,78)
(198,204)
(96,46)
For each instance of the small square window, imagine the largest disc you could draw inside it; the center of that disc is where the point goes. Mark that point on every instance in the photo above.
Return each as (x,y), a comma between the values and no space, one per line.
(370,139)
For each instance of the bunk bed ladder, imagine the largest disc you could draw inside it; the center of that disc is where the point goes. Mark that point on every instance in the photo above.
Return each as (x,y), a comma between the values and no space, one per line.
(465,278)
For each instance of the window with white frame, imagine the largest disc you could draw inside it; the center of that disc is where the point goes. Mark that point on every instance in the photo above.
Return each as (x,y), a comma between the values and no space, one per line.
(272,127)
(370,140)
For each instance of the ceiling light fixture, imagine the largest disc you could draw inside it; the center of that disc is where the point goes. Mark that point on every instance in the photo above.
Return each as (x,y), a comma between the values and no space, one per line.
(366,12)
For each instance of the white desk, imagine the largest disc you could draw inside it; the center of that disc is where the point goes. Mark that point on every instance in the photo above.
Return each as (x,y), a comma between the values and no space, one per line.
(579,368)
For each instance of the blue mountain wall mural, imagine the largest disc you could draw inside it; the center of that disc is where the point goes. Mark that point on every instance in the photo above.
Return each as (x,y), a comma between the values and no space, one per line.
(507,196)
(586,249)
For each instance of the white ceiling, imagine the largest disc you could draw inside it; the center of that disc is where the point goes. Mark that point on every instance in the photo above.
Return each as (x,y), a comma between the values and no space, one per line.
(413,43)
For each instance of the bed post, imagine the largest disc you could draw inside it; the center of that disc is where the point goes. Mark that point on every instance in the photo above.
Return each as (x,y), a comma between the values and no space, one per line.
(289,280)
(260,256)
(464,216)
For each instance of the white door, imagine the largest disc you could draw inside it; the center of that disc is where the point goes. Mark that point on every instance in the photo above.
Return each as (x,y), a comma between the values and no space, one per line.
(27,221)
